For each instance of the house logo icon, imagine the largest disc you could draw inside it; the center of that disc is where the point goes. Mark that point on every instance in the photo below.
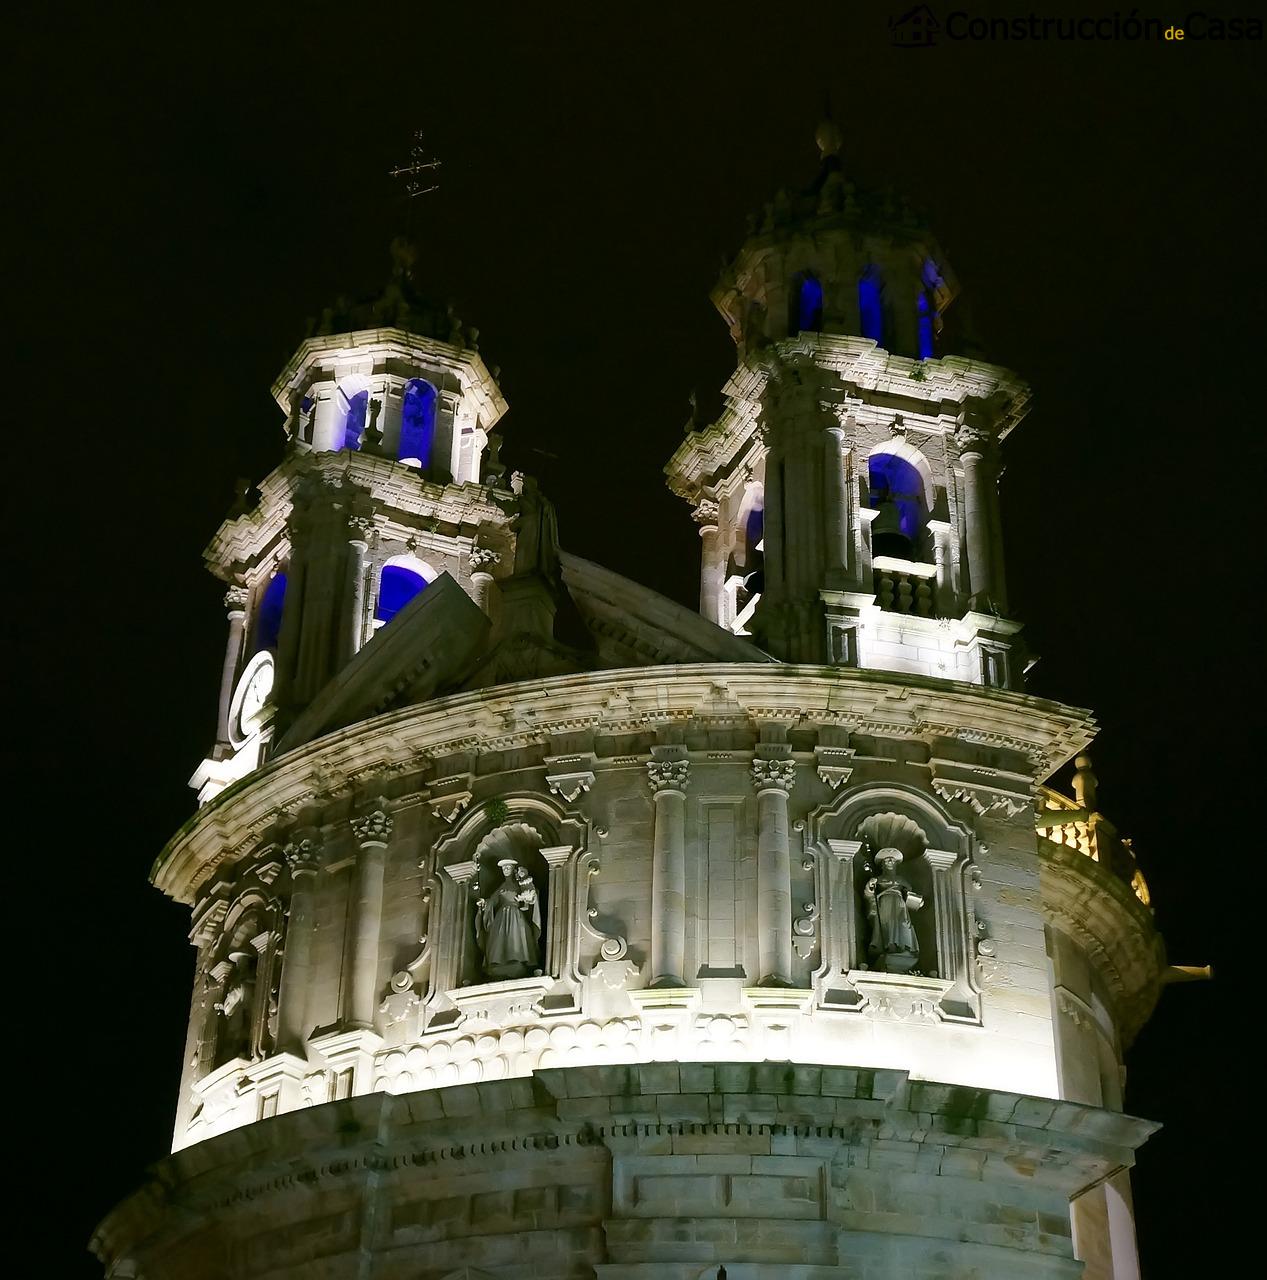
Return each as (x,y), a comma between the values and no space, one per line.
(915,29)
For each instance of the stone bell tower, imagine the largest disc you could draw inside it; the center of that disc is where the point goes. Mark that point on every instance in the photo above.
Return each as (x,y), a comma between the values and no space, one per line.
(847,497)
(545,927)
(387,482)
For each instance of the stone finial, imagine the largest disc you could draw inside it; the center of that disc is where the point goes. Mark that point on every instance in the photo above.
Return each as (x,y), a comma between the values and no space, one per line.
(773,774)
(374,827)
(668,775)
(1084,783)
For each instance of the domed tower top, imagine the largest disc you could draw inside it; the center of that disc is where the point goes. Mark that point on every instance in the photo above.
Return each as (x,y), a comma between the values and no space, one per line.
(836,259)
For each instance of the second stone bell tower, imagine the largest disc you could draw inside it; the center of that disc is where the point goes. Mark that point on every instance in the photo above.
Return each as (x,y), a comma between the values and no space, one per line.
(847,495)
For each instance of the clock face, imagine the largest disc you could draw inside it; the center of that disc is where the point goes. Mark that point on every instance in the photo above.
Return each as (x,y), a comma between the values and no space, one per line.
(251,698)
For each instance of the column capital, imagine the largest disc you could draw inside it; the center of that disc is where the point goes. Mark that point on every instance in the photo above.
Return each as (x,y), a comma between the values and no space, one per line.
(374,827)
(303,856)
(360,529)
(235,599)
(672,774)
(973,439)
(706,514)
(481,558)
(778,774)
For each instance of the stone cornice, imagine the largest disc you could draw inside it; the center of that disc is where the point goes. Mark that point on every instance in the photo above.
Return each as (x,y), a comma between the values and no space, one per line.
(883,381)
(384,344)
(398,490)
(513,1123)
(622,701)
(1111,924)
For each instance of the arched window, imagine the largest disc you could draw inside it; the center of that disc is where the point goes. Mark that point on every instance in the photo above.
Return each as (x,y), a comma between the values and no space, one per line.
(268,613)
(417,422)
(924,324)
(871,305)
(354,407)
(898,495)
(402,578)
(809,304)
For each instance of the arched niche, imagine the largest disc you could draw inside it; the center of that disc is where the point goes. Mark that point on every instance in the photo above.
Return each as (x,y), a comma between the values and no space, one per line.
(243,973)
(936,861)
(352,399)
(871,318)
(805,302)
(268,611)
(902,490)
(419,401)
(400,579)
(519,844)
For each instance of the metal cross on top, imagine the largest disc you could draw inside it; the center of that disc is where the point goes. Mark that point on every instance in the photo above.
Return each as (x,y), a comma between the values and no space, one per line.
(413,171)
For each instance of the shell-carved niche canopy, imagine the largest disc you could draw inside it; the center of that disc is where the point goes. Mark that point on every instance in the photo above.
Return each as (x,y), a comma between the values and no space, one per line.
(515,840)
(893,831)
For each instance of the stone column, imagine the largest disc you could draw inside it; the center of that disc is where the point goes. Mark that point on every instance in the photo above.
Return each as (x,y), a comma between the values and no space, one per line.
(235,603)
(359,531)
(372,831)
(481,578)
(940,531)
(949,915)
(712,560)
(973,450)
(668,772)
(773,779)
(292,1008)
(836,500)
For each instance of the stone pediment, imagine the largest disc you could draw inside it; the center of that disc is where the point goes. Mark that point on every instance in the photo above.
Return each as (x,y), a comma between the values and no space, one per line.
(634,626)
(430,642)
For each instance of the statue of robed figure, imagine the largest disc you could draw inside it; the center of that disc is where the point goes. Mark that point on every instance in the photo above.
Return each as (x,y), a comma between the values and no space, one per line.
(508,925)
(892,943)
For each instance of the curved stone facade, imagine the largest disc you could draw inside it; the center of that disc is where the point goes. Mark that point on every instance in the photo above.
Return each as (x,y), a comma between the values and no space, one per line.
(626,1172)
(547,927)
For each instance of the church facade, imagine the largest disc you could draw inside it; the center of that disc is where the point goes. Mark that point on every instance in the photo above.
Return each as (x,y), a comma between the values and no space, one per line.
(548,928)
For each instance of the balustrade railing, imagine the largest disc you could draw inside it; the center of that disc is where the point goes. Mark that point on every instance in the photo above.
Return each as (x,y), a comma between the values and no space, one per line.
(904,586)
(1064,822)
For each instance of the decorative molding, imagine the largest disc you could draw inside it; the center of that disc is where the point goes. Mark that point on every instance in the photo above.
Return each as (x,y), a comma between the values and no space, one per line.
(834,765)
(982,789)
(569,776)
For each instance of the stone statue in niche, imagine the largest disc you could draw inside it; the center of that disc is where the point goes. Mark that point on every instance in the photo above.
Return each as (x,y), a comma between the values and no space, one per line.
(508,925)
(237,1008)
(891,943)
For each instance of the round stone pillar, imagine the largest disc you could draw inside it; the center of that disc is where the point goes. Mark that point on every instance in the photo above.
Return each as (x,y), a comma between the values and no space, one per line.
(773,780)
(372,831)
(668,774)
(359,532)
(973,453)
(481,577)
(712,560)
(235,602)
(292,1008)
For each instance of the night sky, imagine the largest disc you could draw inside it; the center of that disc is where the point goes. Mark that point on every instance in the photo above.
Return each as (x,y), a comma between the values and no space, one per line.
(193,184)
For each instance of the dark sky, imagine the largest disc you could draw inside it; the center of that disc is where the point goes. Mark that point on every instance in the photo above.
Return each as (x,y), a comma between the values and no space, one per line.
(193,182)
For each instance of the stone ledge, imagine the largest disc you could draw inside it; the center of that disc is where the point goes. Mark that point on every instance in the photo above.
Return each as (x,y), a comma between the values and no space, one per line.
(777,1148)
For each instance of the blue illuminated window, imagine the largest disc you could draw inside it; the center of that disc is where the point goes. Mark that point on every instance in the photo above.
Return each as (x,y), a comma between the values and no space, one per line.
(809,305)
(897,491)
(354,420)
(397,586)
(871,305)
(925,327)
(268,615)
(417,422)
